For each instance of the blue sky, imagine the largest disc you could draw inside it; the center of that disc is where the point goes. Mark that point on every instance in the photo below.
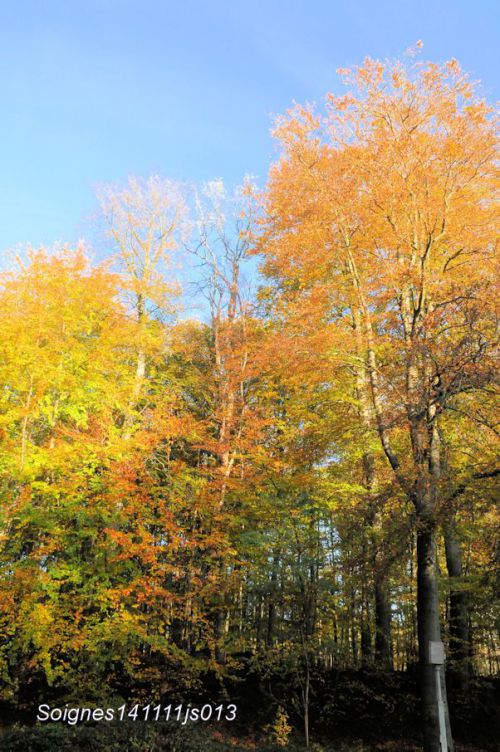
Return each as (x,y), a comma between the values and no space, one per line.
(95,90)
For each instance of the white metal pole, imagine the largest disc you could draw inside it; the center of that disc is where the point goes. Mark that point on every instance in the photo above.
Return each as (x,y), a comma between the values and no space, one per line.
(442,725)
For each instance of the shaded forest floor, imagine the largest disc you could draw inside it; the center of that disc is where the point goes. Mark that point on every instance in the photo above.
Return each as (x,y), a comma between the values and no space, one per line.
(142,738)
(350,711)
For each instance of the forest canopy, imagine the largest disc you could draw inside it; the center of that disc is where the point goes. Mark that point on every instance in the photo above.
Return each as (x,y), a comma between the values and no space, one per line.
(300,476)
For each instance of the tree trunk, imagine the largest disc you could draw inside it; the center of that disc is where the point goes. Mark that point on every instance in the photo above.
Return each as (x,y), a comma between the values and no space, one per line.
(271,613)
(460,663)
(383,642)
(433,687)
(220,620)
(140,370)
(306,709)
(425,450)
(383,648)
(306,691)
(366,643)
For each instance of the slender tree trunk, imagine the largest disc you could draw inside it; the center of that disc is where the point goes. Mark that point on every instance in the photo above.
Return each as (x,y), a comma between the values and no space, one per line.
(383,647)
(306,708)
(382,610)
(422,424)
(140,370)
(366,634)
(366,643)
(259,619)
(460,663)
(383,642)
(306,688)
(271,612)
(433,688)
(220,623)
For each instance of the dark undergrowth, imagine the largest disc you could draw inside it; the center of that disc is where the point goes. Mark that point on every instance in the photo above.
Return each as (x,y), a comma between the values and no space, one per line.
(350,711)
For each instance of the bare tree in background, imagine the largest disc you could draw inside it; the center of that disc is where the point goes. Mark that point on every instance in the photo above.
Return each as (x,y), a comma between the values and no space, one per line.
(145,219)
(219,245)
(223,225)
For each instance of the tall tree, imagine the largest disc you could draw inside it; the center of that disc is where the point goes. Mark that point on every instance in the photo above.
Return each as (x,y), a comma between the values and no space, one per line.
(382,213)
(219,245)
(145,220)
(62,368)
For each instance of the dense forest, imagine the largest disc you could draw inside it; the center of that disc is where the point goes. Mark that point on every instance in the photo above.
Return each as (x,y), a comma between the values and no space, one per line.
(248,443)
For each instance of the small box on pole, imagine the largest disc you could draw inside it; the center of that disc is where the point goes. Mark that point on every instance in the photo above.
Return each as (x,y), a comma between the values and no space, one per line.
(436,653)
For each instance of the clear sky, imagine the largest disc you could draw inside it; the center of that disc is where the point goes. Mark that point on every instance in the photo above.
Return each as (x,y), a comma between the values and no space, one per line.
(95,90)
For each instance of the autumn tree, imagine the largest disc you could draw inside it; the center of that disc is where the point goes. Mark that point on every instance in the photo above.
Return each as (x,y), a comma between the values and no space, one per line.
(144,222)
(381,214)
(222,223)
(63,362)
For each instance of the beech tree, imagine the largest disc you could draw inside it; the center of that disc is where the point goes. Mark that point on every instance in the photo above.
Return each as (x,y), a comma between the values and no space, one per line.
(62,368)
(144,220)
(380,213)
